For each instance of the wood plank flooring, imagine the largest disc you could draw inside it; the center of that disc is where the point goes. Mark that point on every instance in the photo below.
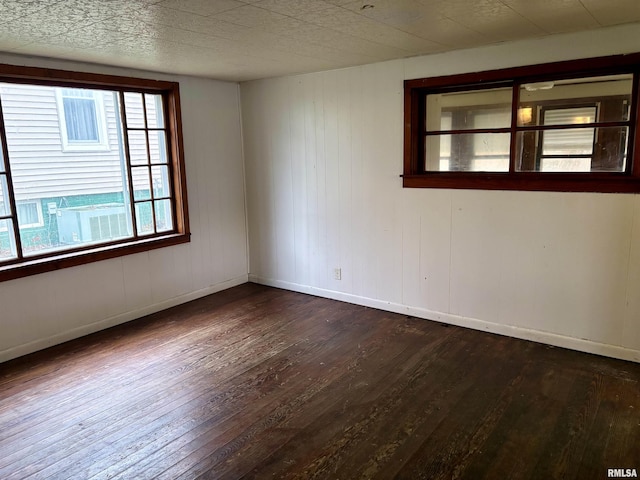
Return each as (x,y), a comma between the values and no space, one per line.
(256,382)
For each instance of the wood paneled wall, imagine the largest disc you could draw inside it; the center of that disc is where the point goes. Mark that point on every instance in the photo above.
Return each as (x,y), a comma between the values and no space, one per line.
(323,156)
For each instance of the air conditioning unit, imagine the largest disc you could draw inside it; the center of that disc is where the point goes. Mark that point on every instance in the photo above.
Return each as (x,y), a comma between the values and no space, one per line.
(94,223)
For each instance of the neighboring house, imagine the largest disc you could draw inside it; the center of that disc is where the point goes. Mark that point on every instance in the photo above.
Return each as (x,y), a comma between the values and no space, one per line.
(68,166)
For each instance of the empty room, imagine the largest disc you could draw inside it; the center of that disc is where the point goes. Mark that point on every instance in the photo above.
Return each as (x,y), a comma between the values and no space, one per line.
(319,239)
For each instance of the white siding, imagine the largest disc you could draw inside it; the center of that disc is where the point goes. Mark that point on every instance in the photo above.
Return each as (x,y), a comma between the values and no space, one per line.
(323,156)
(39,164)
(42,168)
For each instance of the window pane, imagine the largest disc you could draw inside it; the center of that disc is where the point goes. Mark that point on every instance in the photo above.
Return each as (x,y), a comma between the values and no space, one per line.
(469,110)
(28,214)
(472,152)
(609,95)
(158,146)
(141,185)
(144,218)
(551,164)
(572,150)
(160,176)
(133,110)
(65,199)
(81,119)
(571,141)
(138,147)
(155,114)
(569,116)
(164,215)
(5,206)
(7,243)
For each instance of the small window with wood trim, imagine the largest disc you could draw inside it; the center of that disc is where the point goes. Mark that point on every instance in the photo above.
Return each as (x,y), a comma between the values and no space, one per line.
(569,126)
(87,204)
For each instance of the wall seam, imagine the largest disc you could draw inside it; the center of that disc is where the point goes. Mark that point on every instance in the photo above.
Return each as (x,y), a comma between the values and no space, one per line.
(244,182)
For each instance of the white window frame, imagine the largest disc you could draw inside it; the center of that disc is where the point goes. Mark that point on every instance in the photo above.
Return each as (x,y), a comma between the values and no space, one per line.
(29,225)
(38,205)
(102,145)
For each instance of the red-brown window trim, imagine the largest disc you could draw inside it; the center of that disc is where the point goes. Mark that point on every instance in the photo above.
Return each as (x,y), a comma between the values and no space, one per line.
(170,92)
(414,95)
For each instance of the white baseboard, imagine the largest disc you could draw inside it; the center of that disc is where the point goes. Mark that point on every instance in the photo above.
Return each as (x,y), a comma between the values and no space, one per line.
(548,338)
(43,343)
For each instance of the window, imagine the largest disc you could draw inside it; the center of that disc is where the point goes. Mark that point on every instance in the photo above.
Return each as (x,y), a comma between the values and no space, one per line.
(91,167)
(566,150)
(568,126)
(29,214)
(83,126)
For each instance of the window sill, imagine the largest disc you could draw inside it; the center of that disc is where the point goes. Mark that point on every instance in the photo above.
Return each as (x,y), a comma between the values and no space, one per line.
(546,182)
(85,148)
(34,266)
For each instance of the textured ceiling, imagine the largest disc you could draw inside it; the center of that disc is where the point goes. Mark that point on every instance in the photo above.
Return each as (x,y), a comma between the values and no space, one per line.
(248,39)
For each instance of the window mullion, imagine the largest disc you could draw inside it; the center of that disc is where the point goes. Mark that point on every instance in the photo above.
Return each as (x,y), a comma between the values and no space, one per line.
(125,130)
(146,138)
(468,130)
(10,192)
(573,126)
(153,208)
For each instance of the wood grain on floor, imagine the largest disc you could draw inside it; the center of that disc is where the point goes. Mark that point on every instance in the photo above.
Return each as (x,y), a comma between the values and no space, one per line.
(256,382)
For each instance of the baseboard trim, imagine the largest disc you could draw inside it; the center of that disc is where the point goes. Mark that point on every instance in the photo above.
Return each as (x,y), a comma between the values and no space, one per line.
(548,338)
(78,332)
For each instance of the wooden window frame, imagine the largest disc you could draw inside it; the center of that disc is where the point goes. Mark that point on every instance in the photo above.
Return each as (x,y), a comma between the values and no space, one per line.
(415,91)
(170,92)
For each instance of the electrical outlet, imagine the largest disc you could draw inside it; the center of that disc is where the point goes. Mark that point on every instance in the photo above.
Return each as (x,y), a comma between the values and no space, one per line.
(337,274)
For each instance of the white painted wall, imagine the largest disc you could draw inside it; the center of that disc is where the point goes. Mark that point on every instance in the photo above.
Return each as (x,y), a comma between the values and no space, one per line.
(46,309)
(323,155)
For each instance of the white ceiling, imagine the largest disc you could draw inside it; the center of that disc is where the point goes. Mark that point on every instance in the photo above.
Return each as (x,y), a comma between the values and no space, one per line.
(249,39)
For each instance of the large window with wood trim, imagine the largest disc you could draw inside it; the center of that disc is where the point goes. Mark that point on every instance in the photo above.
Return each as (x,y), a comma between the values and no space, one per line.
(568,126)
(91,167)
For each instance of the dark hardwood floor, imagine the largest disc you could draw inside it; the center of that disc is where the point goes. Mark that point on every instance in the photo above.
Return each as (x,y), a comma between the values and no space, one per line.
(256,382)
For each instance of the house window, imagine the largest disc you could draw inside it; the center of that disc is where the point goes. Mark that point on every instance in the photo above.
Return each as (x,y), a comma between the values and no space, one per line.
(99,202)
(83,126)
(29,214)
(569,126)
(569,150)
